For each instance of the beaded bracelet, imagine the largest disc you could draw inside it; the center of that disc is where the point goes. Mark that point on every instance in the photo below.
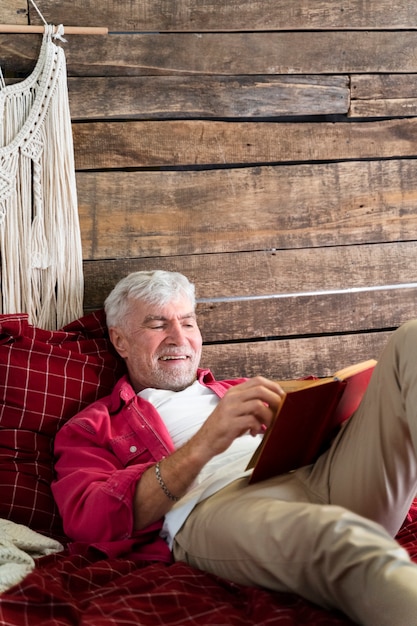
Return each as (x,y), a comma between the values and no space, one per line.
(163,485)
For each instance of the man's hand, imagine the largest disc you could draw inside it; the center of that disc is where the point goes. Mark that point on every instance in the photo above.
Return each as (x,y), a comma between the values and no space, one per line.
(247,407)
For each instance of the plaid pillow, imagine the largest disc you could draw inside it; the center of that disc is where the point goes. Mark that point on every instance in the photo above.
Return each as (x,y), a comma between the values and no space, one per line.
(45,378)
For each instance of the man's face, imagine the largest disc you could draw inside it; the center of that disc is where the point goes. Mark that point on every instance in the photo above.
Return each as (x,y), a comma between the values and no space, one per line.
(160,344)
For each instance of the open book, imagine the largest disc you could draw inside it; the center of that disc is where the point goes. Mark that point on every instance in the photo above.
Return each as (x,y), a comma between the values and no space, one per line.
(309,416)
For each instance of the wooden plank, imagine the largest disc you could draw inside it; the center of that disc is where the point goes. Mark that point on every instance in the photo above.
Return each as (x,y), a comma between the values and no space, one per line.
(251,296)
(328,313)
(268,272)
(14,11)
(103,145)
(247,53)
(226,54)
(173,97)
(324,314)
(379,86)
(163,213)
(383,95)
(195,15)
(384,108)
(292,358)
(19,58)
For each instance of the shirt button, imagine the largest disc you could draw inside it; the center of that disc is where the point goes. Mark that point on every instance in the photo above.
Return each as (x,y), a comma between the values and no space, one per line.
(133,448)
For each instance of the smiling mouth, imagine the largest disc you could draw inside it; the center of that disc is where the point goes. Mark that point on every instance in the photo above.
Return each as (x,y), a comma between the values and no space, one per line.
(180,357)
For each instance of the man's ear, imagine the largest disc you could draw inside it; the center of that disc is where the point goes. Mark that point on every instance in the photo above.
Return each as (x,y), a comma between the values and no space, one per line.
(117,338)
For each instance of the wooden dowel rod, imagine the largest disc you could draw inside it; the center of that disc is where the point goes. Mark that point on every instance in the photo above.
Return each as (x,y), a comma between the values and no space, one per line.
(68,30)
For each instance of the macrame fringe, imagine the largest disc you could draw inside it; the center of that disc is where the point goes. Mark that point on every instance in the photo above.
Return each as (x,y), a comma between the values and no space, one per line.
(41,253)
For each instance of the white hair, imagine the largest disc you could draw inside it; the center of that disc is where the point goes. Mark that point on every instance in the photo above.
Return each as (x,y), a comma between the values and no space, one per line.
(155,287)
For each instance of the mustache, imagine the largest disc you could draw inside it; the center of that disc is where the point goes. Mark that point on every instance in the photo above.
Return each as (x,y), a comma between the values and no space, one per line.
(175,352)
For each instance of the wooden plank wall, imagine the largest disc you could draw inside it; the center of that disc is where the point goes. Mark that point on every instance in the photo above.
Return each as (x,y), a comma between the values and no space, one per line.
(265,148)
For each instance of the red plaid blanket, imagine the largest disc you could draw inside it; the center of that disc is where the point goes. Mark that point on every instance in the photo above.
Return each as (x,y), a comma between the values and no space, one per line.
(73,590)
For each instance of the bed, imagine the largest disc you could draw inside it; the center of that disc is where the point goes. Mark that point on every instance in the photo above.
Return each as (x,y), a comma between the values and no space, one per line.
(46,377)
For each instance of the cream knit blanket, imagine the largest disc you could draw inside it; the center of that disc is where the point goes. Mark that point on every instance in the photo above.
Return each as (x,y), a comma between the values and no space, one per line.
(19,546)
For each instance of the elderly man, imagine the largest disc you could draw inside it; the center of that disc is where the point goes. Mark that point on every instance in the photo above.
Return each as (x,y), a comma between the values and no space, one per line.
(158,467)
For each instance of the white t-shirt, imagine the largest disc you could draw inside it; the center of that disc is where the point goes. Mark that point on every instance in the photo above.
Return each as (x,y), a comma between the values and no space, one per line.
(183,413)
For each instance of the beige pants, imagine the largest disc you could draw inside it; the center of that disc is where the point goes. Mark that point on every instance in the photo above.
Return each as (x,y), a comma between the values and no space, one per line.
(325,531)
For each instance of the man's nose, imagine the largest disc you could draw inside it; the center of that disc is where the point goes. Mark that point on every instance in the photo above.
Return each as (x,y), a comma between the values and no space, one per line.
(176,333)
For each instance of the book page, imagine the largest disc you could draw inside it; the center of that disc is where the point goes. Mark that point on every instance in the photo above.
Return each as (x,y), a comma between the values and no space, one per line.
(342,374)
(350,370)
(302,383)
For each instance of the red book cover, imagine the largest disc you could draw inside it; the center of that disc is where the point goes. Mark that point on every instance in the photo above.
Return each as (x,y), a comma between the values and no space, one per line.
(308,418)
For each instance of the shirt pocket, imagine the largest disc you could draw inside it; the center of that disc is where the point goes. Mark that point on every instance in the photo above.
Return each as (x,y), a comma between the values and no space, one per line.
(129,449)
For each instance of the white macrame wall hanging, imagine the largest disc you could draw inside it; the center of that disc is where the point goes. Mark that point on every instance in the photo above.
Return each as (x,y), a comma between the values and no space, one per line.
(41,254)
